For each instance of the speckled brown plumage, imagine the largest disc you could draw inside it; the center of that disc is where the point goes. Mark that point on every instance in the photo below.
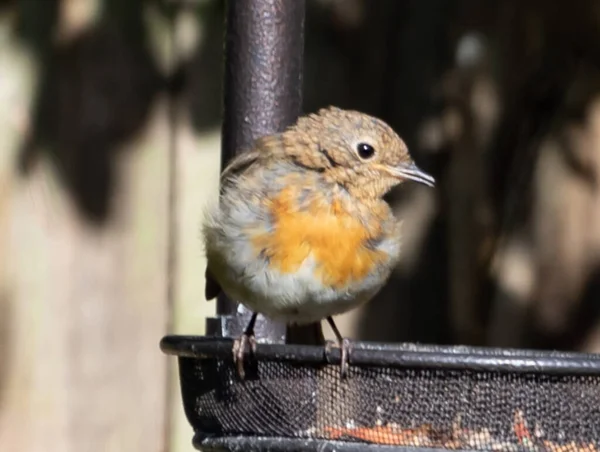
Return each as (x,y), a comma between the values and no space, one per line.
(302,232)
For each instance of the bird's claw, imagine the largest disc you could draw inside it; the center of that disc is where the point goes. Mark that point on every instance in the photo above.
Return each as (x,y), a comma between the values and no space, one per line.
(344,358)
(344,346)
(239,349)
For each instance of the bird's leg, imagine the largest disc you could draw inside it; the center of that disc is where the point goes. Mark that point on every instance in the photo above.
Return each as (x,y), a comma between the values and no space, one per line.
(344,345)
(239,345)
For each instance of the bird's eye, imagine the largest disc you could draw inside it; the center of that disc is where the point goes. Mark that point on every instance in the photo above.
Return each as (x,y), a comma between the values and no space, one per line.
(365,151)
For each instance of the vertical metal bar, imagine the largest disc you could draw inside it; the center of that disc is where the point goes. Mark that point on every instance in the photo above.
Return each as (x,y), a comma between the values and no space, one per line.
(264,52)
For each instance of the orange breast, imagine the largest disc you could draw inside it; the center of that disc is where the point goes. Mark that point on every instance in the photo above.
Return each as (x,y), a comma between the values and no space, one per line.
(325,230)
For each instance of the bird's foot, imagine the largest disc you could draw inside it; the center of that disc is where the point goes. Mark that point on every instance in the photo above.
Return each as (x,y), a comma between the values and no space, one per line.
(344,345)
(239,349)
(240,344)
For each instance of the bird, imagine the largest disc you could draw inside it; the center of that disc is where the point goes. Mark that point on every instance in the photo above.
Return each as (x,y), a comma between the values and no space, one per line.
(301,231)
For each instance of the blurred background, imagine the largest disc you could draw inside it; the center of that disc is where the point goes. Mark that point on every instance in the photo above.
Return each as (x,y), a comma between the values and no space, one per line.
(110,117)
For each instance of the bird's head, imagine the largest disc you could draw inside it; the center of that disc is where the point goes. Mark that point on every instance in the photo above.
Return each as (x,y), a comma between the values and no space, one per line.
(359,152)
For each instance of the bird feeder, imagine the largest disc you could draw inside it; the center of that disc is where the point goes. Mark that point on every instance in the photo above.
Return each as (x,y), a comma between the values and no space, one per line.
(395,397)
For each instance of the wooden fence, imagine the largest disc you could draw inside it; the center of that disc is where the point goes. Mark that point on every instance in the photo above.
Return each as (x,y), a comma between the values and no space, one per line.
(86,292)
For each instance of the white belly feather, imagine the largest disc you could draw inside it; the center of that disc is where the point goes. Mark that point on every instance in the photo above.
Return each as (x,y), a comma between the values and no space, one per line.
(298,297)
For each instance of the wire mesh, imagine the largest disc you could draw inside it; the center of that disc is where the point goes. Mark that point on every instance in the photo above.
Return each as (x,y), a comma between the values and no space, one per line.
(413,406)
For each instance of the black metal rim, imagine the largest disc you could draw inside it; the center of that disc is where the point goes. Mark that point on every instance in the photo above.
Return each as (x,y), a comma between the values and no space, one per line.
(397,355)
(243,443)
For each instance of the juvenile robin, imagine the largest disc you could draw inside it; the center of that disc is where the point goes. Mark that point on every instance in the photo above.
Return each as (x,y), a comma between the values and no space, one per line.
(302,232)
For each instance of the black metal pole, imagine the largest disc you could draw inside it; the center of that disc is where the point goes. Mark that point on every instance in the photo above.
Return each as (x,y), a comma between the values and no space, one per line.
(264,52)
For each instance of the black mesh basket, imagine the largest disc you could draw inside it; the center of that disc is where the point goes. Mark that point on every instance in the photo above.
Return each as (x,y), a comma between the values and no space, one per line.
(395,397)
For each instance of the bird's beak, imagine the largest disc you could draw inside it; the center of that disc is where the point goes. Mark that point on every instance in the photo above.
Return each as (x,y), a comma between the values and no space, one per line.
(413,172)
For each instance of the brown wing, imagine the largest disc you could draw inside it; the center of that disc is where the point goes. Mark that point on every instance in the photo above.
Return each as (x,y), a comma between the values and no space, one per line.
(237,166)
(263,148)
